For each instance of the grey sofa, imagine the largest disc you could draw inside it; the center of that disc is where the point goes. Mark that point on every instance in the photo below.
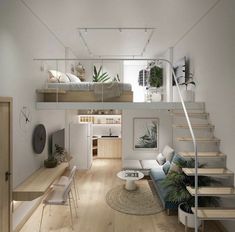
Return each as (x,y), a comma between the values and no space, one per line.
(156,173)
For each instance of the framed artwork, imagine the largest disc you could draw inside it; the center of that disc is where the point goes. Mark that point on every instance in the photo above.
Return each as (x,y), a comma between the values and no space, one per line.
(145,134)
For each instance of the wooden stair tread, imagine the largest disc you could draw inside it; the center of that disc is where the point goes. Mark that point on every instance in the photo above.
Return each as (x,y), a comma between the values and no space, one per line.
(202,154)
(195,114)
(194,126)
(212,191)
(215,213)
(199,139)
(208,171)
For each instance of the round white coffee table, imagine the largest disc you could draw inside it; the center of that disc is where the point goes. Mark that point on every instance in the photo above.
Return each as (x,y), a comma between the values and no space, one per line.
(130,180)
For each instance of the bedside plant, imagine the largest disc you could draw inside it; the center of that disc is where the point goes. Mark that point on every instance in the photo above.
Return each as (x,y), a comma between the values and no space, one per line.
(98,76)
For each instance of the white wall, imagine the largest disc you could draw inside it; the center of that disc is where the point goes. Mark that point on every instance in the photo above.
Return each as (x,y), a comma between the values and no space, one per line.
(131,75)
(23,38)
(165,132)
(210,47)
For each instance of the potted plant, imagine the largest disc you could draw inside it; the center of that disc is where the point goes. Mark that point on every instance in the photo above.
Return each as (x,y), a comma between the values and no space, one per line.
(188,95)
(98,76)
(51,162)
(176,183)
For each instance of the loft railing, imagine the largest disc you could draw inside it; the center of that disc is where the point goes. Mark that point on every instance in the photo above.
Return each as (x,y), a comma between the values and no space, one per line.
(181,100)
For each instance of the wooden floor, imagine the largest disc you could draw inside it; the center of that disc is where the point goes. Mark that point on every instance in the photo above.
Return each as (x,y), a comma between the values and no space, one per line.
(94,215)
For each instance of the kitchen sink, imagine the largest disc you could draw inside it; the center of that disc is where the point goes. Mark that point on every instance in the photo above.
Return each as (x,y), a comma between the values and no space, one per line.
(109,136)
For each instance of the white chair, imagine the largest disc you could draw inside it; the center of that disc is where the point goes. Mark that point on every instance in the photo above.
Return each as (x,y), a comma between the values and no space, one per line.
(59,195)
(64,180)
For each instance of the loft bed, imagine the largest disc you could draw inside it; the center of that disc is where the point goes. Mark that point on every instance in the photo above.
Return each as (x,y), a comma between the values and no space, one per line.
(86,92)
(61,87)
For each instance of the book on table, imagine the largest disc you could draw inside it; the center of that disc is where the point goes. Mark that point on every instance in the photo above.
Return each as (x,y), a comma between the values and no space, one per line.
(131,174)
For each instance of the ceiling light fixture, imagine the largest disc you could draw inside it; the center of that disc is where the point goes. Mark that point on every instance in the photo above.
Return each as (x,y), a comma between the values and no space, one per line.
(81,30)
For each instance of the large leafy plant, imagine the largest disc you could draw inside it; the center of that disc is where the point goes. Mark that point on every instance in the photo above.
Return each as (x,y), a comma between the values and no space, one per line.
(176,183)
(99,76)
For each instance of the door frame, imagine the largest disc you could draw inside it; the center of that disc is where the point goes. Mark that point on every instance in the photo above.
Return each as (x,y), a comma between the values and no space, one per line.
(9,100)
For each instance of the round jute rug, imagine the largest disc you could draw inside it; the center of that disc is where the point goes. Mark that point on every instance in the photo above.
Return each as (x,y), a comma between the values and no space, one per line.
(138,202)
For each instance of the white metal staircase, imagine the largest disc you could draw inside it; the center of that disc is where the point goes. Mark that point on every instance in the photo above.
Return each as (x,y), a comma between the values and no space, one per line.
(208,154)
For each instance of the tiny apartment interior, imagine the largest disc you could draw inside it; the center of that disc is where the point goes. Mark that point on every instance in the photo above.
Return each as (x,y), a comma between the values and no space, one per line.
(117,116)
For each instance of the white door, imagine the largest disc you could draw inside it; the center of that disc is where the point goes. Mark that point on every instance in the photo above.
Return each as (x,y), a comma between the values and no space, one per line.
(5,168)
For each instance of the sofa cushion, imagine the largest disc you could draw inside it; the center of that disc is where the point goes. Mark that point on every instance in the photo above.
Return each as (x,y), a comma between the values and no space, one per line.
(161,159)
(166,167)
(131,164)
(168,153)
(149,164)
(174,167)
(157,174)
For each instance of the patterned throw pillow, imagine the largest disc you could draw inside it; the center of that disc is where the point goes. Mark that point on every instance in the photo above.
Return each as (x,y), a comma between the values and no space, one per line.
(161,159)
(166,167)
(168,153)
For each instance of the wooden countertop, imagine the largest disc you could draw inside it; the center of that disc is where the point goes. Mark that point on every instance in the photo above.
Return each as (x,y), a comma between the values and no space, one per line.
(38,183)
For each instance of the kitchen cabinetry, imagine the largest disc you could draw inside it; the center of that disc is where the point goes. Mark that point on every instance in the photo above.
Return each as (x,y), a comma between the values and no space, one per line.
(109,148)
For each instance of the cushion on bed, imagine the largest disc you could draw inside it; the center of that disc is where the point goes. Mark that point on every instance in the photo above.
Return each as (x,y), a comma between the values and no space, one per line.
(73,78)
(131,164)
(57,77)
(148,164)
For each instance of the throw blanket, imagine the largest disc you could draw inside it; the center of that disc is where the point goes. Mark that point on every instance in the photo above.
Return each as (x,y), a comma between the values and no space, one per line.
(105,91)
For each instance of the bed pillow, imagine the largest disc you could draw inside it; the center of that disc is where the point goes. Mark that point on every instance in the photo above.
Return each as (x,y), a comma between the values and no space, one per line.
(161,159)
(168,153)
(72,77)
(57,77)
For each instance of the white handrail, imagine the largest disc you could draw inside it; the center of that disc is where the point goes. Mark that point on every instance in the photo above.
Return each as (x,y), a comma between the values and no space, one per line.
(194,141)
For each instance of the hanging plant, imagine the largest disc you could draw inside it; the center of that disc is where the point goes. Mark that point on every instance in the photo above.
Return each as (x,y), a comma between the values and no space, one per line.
(156,77)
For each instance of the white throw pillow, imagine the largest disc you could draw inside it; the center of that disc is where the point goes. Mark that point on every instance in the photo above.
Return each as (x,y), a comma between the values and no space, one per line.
(57,77)
(72,77)
(168,153)
(161,159)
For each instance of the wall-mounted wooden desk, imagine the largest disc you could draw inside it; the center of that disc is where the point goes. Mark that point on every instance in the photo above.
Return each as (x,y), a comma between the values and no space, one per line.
(38,183)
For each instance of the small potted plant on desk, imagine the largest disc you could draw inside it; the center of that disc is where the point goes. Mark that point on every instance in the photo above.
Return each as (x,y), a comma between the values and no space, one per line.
(51,162)
(176,183)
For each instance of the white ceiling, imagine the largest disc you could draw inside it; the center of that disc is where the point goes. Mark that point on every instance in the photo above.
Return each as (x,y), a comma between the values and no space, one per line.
(171,18)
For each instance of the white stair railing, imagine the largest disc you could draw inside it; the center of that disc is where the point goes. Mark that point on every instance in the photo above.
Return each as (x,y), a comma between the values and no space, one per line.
(193,138)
